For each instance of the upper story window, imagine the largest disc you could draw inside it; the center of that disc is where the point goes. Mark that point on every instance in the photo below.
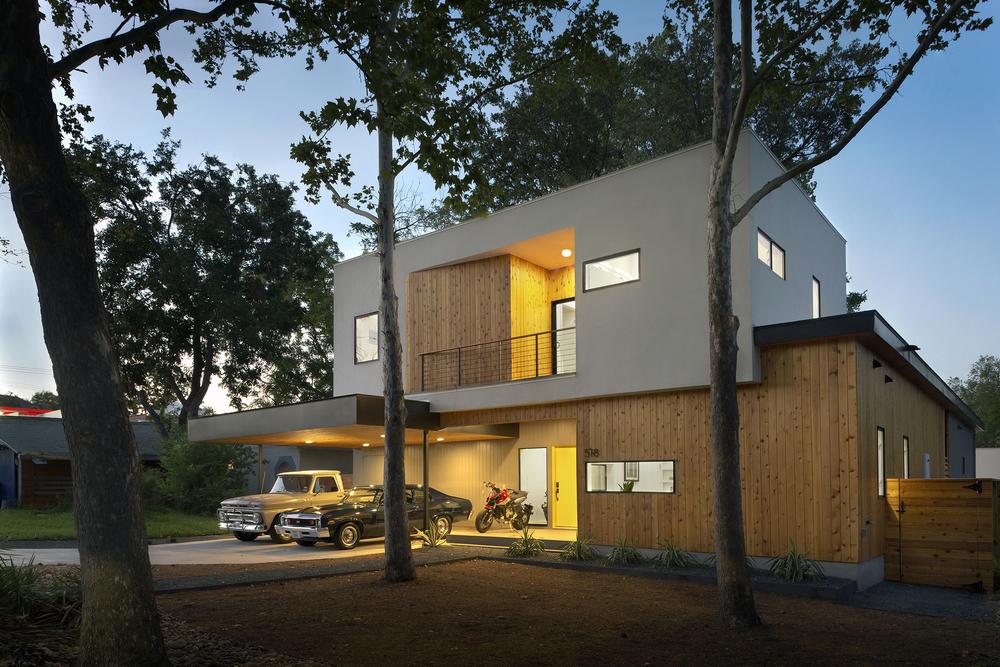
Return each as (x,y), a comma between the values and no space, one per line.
(365,338)
(612,270)
(771,253)
(816,298)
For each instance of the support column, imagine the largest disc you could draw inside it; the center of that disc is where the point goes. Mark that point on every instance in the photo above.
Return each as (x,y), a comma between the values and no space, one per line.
(427,486)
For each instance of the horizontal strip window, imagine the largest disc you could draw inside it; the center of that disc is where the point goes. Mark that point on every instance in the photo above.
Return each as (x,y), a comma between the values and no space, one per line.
(612,270)
(771,254)
(630,477)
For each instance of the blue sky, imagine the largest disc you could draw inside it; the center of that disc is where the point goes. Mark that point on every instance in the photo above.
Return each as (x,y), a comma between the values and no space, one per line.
(917,194)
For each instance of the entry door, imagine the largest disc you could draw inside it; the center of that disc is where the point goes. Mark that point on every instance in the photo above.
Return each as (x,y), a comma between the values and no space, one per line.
(564,487)
(564,342)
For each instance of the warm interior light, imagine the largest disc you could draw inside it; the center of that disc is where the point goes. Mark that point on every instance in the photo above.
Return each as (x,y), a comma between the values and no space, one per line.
(440,439)
(382,436)
(366,444)
(309,442)
(566,252)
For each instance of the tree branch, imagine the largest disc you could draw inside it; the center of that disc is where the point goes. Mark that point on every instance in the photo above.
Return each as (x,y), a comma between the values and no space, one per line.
(140,34)
(808,33)
(343,203)
(748,83)
(928,39)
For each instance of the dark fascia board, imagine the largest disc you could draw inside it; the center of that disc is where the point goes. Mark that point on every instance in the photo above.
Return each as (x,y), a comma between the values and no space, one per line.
(345,410)
(871,328)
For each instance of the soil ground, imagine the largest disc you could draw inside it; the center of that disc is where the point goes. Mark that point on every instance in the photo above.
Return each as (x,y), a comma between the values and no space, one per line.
(481,612)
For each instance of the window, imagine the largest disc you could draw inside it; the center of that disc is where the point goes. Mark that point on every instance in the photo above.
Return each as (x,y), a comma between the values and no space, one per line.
(881,461)
(816,298)
(365,338)
(614,270)
(631,476)
(325,485)
(906,457)
(771,253)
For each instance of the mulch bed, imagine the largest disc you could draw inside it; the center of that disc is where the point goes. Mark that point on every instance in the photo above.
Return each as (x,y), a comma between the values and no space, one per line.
(479,612)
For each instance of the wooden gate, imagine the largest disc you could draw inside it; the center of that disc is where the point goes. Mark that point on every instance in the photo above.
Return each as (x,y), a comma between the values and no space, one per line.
(942,532)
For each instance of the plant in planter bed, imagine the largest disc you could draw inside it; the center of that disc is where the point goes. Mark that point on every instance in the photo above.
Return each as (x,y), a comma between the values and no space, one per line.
(797,566)
(526,546)
(671,556)
(578,550)
(623,555)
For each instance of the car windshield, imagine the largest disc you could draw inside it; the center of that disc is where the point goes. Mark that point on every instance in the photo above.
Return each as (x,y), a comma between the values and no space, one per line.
(291,484)
(358,496)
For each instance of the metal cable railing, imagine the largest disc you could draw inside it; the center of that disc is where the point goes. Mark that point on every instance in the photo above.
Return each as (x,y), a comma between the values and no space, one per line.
(519,358)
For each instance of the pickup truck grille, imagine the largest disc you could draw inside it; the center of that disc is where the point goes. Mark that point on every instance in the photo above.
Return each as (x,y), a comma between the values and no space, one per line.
(237,516)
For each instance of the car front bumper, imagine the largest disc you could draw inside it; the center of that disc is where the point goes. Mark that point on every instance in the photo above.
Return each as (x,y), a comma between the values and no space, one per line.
(300,532)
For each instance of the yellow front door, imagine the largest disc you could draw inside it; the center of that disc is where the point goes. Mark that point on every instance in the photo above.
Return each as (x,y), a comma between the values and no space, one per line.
(564,487)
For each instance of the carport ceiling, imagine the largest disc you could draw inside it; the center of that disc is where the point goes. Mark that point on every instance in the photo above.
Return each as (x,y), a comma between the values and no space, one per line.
(344,421)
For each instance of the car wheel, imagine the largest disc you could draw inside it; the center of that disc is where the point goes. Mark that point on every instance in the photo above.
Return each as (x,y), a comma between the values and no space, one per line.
(244,537)
(443,524)
(347,536)
(306,543)
(275,535)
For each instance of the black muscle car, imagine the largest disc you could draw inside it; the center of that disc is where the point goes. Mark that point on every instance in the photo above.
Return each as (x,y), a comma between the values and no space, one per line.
(360,515)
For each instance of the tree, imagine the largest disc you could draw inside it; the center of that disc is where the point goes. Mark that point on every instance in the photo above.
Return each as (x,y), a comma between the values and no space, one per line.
(120,622)
(12,400)
(981,391)
(211,272)
(795,42)
(46,400)
(855,299)
(427,66)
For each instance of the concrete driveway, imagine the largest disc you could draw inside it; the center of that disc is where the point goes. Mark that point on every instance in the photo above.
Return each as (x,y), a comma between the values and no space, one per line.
(226,551)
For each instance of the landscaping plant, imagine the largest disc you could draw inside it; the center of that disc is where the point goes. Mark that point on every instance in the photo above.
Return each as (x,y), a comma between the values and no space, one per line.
(623,555)
(196,476)
(526,546)
(797,566)
(671,556)
(627,487)
(578,550)
(33,596)
(431,538)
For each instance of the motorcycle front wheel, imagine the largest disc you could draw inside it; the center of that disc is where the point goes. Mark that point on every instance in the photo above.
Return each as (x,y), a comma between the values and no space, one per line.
(518,522)
(483,521)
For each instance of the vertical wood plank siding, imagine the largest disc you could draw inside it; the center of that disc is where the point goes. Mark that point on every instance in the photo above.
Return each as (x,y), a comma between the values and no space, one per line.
(807,476)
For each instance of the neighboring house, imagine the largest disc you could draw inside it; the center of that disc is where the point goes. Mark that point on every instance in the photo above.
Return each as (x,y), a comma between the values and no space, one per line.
(988,462)
(561,346)
(35,459)
(9,411)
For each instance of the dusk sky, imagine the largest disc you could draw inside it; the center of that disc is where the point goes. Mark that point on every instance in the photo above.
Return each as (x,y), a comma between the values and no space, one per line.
(917,194)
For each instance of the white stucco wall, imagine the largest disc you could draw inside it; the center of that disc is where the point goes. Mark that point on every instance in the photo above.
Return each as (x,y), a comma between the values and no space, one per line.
(643,336)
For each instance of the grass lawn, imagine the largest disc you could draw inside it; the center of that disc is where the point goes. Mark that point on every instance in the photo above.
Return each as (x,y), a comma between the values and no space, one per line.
(29,524)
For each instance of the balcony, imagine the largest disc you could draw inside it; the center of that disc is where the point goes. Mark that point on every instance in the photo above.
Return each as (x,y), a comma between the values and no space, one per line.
(524,357)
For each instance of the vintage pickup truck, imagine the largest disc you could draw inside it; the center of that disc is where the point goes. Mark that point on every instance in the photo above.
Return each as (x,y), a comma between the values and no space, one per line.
(251,516)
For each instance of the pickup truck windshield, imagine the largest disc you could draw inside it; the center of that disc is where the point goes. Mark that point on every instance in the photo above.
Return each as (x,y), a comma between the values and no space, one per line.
(292,484)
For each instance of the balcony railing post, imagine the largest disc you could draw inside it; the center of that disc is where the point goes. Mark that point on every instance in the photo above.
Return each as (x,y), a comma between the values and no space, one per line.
(536,355)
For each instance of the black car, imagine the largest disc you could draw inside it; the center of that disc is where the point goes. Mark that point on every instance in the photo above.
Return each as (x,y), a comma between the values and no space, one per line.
(361,515)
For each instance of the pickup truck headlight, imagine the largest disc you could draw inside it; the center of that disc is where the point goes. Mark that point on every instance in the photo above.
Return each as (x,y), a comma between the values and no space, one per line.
(221,515)
(257,518)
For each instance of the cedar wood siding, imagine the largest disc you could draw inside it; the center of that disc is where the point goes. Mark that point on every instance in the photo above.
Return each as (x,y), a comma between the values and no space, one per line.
(807,476)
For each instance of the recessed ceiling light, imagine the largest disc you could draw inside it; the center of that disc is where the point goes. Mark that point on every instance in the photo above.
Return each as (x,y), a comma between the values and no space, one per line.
(309,442)
(440,439)
(566,252)
(366,444)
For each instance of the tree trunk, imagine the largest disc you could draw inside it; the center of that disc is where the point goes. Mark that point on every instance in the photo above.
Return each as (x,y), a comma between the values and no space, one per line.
(120,619)
(733,576)
(398,558)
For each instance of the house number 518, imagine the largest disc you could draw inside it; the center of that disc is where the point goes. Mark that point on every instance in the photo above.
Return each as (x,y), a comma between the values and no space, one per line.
(591,453)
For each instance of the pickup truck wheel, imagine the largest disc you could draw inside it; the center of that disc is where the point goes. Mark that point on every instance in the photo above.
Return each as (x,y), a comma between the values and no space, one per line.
(306,543)
(244,537)
(347,536)
(276,536)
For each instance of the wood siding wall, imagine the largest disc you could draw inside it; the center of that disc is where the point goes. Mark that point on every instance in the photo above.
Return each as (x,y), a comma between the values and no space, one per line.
(47,484)
(482,301)
(901,409)
(805,470)
(456,305)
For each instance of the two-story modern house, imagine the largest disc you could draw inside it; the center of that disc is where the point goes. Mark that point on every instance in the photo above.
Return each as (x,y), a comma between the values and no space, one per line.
(561,346)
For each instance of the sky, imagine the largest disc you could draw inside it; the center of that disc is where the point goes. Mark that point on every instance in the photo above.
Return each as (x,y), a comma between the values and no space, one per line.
(916,194)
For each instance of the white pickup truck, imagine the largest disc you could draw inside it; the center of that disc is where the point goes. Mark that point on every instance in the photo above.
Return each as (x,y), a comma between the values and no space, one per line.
(251,516)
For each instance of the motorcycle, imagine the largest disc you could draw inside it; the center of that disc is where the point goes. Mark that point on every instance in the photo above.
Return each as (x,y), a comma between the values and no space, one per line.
(503,505)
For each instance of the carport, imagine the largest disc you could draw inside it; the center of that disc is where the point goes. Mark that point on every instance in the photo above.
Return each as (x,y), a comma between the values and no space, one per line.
(353,421)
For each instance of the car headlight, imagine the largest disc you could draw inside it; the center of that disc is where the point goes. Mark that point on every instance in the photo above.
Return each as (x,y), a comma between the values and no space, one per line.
(221,515)
(257,518)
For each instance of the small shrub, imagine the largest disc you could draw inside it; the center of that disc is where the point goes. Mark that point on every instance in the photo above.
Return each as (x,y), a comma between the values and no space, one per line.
(671,556)
(623,555)
(196,476)
(431,538)
(797,566)
(31,595)
(627,487)
(578,550)
(526,546)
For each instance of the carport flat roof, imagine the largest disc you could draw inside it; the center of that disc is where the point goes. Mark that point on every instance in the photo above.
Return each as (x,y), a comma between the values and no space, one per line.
(342,421)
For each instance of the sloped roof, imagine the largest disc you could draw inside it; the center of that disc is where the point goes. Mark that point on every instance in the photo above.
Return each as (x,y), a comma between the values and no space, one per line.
(38,436)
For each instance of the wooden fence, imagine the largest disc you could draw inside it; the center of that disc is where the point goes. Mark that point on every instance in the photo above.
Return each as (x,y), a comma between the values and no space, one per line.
(942,532)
